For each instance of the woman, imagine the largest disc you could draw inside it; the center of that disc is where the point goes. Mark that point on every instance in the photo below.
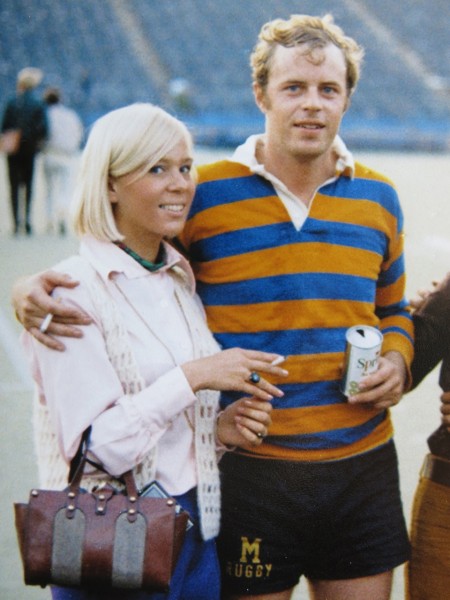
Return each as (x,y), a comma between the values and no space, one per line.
(145,374)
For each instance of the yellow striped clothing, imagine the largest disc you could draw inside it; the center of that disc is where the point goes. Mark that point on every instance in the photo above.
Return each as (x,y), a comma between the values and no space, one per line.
(266,285)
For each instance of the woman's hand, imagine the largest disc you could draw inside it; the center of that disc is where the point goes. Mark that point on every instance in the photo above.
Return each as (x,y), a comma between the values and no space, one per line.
(231,370)
(244,422)
(32,301)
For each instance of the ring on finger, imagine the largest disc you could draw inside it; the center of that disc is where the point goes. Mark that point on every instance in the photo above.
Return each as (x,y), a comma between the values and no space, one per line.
(254,377)
(46,323)
(260,435)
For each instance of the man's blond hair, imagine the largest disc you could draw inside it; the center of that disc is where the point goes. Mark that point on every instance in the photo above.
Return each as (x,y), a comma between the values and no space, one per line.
(313,33)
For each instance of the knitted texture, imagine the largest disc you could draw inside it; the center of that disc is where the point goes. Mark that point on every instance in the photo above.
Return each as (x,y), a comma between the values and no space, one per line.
(52,468)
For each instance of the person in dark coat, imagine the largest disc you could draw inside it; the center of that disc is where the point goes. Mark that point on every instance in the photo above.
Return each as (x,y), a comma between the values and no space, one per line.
(428,571)
(26,113)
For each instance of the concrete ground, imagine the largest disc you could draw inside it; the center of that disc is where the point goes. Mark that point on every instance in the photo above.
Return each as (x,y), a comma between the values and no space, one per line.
(423,182)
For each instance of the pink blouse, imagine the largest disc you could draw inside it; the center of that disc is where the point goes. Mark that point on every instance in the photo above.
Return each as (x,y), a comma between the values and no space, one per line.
(81,387)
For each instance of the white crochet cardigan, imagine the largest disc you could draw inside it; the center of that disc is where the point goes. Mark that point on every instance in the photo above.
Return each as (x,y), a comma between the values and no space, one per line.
(53,469)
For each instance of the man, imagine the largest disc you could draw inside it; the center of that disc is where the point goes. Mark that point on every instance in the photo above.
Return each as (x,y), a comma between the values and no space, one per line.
(292,243)
(26,114)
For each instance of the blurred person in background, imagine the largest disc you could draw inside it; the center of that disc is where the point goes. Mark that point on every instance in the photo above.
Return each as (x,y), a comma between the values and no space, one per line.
(428,571)
(292,242)
(59,152)
(25,113)
(146,375)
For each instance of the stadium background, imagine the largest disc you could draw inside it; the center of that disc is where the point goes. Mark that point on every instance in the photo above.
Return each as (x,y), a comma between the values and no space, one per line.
(191,56)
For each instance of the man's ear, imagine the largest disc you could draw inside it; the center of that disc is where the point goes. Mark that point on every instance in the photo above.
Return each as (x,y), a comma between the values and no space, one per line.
(260,97)
(347,104)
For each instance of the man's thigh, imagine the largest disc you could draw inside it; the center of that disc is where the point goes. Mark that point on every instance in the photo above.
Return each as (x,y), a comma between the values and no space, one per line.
(376,587)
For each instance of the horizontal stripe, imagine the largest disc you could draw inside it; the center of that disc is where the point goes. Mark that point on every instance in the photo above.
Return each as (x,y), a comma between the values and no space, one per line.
(249,317)
(335,438)
(292,258)
(289,342)
(296,286)
(253,239)
(314,394)
(393,274)
(317,419)
(377,191)
(362,212)
(228,191)
(380,435)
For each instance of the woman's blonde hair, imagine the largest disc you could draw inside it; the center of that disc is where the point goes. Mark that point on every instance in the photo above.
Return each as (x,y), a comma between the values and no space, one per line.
(313,32)
(132,138)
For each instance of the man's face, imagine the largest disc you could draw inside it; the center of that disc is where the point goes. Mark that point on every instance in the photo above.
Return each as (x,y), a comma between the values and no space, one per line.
(304,101)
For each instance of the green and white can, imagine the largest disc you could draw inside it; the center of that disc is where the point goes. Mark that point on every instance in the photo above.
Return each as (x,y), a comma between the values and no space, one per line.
(361,356)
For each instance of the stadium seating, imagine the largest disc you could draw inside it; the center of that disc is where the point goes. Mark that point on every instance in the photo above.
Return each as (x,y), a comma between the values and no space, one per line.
(192,57)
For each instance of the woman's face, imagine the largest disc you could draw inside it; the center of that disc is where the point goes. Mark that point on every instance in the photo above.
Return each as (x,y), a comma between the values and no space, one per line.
(156,205)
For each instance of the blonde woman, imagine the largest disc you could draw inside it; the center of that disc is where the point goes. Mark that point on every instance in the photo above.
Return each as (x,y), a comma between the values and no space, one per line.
(147,371)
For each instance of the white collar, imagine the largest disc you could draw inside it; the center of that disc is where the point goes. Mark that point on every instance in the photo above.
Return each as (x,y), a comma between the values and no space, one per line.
(246,155)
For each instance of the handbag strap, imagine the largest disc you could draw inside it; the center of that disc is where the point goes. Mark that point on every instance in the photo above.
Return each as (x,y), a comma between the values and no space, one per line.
(79,461)
(80,456)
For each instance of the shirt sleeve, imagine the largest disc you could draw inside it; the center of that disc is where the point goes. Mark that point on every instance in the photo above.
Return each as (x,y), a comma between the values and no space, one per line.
(432,332)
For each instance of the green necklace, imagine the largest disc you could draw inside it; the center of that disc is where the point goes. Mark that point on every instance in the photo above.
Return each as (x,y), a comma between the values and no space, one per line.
(150,266)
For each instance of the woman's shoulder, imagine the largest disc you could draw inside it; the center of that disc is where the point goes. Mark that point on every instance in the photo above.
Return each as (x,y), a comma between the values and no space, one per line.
(77,267)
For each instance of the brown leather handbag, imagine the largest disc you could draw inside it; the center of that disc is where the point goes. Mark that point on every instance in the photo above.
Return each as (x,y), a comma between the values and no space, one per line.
(104,538)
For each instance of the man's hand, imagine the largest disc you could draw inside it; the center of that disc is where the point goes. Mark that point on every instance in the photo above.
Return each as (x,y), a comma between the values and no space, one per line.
(32,301)
(386,386)
(422,296)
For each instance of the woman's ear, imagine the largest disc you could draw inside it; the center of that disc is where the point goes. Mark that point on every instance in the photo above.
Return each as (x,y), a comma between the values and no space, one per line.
(112,191)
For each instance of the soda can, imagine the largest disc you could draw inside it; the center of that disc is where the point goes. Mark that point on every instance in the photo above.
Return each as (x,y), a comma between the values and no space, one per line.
(361,356)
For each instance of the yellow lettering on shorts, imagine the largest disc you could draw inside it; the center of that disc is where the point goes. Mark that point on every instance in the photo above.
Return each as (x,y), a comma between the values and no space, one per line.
(249,565)
(248,548)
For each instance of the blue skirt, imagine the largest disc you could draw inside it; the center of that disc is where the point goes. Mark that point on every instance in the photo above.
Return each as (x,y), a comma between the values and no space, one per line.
(196,576)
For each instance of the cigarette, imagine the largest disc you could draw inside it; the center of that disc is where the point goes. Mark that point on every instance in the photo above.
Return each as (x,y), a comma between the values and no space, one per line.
(278,361)
(45,323)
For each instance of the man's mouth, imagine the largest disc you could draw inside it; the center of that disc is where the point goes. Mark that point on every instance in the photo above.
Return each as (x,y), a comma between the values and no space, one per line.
(309,126)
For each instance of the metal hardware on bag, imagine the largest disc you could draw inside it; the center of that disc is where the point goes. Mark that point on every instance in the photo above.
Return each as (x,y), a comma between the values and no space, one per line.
(34,493)
(170,502)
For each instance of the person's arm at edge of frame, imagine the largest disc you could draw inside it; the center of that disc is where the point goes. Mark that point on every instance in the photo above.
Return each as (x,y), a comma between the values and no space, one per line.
(432,324)
(32,301)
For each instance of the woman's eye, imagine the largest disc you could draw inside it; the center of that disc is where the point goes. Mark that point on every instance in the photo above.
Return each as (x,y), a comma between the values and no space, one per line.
(186,169)
(156,169)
